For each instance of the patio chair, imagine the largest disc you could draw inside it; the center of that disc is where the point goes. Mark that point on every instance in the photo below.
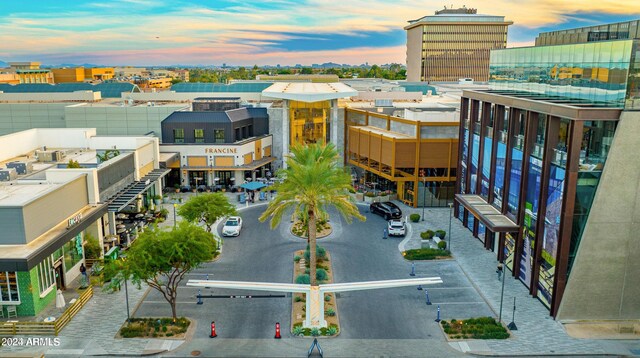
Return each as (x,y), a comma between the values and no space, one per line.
(11,311)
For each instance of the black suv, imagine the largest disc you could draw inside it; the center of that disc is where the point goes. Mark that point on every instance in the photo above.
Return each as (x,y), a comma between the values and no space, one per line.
(387,210)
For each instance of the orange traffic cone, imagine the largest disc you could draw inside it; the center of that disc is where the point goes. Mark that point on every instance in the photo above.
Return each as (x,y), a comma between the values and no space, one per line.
(277,331)
(213,330)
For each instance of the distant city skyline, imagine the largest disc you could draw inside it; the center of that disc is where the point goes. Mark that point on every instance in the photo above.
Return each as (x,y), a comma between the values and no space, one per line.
(285,32)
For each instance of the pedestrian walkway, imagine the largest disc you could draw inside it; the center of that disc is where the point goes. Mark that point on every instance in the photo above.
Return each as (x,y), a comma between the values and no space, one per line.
(538,333)
(92,331)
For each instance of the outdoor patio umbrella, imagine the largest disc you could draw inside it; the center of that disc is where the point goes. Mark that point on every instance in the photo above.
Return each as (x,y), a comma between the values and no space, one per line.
(60,303)
(254,185)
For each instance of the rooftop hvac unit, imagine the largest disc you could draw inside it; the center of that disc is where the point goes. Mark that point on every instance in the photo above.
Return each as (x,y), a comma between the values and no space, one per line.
(8,174)
(50,155)
(384,103)
(21,167)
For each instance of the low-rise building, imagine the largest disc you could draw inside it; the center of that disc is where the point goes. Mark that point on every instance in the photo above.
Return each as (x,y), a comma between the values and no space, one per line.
(48,211)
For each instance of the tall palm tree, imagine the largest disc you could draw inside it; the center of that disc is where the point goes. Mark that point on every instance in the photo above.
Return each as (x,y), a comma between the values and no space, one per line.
(314,181)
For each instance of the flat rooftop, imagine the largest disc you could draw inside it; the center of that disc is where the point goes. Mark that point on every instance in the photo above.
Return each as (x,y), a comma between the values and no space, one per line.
(309,92)
(21,192)
(386,133)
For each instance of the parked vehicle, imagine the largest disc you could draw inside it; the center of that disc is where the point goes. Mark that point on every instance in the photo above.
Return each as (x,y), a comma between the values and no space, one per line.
(396,227)
(232,226)
(387,210)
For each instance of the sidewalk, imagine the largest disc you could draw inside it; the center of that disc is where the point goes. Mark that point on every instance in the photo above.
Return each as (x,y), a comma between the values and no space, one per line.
(538,333)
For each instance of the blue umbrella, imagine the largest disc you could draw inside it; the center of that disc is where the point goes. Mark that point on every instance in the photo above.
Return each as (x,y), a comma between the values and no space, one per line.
(253,185)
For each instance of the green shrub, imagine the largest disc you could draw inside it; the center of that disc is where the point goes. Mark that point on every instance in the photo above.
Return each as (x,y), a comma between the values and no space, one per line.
(442,245)
(298,299)
(331,331)
(369,194)
(321,275)
(303,279)
(307,271)
(170,334)
(327,298)
(425,254)
(297,331)
(330,312)
(164,328)
(131,332)
(414,217)
(426,235)
(315,332)
(321,253)
(441,234)
(297,258)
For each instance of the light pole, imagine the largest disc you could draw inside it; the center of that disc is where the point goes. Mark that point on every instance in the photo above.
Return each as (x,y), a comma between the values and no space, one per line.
(450,215)
(126,293)
(174,215)
(502,293)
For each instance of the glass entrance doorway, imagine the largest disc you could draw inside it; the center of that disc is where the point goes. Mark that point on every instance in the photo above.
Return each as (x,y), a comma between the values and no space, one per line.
(197,178)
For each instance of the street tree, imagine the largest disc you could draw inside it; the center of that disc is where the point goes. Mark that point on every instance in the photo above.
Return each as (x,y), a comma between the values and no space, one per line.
(161,259)
(314,181)
(207,209)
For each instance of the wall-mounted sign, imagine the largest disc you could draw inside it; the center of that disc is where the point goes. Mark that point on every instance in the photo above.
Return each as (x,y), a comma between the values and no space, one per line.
(221,150)
(74,221)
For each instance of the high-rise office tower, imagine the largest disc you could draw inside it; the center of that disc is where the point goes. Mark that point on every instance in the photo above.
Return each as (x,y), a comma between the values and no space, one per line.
(453,44)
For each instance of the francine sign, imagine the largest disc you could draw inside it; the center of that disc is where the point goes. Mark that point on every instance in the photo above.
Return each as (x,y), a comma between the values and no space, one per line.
(221,150)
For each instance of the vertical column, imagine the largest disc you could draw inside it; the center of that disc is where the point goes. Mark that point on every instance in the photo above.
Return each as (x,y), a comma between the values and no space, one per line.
(531,119)
(512,121)
(498,115)
(464,110)
(285,132)
(333,118)
(568,205)
(112,223)
(550,142)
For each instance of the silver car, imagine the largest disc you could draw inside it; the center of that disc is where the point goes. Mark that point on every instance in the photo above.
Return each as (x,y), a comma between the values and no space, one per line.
(396,227)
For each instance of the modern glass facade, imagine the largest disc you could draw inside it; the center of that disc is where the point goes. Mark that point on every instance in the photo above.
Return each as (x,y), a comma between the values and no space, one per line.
(518,159)
(604,73)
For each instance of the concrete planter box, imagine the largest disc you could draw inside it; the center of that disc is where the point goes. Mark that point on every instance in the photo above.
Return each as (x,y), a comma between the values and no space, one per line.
(383,198)
(369,199)
(358,196)
(393,197)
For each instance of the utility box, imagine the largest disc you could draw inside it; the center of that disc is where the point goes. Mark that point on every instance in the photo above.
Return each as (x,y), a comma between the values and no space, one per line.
(21,167)
(8,174)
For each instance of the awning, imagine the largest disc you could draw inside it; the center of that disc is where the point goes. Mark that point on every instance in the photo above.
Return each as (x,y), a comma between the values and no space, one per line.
(253,185)
(488,215)
(128,194)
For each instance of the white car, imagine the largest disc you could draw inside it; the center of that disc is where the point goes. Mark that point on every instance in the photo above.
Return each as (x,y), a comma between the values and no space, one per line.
(232,226)
(396,227)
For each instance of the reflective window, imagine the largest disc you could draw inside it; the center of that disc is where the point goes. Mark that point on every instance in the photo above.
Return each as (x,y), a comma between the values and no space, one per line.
(9,287)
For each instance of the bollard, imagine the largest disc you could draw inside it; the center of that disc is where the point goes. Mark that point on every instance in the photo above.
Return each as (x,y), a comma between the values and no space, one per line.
(213,330)
(438,316)
(385,234)
(426,293)
(413,269)
(277,331)
(207,278)
(419,287)
(199,298)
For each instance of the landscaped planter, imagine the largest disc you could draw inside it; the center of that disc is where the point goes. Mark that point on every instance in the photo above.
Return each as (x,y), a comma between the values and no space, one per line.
(369,199)
(358,196)
(383,198)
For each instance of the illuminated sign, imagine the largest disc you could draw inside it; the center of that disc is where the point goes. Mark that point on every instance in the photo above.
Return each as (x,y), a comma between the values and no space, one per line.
(74,221)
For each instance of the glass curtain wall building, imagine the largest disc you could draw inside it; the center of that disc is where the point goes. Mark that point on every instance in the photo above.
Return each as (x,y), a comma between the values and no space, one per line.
(533,148)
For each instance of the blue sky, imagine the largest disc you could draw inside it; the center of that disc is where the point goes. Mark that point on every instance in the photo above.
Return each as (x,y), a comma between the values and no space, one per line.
(165,32)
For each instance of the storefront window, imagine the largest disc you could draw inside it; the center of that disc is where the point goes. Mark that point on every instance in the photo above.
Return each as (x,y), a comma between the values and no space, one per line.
(530,220)
(9,287)
(72,252)
(46,275)
(551,237)
(514,182)
(486,167)
(509,249)
(475,153)
(498,185)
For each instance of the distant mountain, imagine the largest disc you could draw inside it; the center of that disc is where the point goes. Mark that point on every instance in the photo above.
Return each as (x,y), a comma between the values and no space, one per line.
(3,64)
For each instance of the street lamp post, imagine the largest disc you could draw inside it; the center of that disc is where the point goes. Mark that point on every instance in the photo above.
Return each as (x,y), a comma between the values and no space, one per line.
(502,293)
(450,215)
(174,215)
(126,293)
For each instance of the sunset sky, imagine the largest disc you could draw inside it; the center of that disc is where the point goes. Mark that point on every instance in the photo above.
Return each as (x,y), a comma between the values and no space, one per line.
(166,32)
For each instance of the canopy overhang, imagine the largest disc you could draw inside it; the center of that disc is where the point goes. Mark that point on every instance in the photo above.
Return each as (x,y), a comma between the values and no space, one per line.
(488,215)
